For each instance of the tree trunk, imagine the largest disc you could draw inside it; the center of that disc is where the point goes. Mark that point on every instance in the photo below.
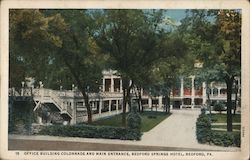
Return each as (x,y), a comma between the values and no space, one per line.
(82,89)
(229,82)
(124,106)
(140,107)
(236,97)
(167,102)
(208,98)
(89,109)
(125,86)
(129,99)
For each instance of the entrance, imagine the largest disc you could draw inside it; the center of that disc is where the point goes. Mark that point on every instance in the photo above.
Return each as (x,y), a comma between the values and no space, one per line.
(177,104)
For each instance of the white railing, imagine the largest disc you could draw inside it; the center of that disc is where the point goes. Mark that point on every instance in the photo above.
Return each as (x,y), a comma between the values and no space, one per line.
(61,105)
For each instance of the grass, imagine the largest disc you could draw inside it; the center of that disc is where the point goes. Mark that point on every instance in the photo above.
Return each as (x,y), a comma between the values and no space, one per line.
(222,118)
(225,126)
(149,120)
(234,132)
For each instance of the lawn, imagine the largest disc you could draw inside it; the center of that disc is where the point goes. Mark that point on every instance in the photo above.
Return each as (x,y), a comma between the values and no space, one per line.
(222,118)
(149,120)
(225,126)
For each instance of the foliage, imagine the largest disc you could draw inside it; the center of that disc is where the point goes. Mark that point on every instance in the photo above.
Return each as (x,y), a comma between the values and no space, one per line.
(203,127)
(62,41)
(219,106)
(215,41)
(21,113)
(134,120)
(204,134)
(88,131)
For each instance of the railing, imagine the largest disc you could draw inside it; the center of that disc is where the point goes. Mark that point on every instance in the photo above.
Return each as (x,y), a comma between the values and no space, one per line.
(20,92)
(58,102)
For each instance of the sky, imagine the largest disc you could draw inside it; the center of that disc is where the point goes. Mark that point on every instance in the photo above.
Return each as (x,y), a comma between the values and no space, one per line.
(176,14)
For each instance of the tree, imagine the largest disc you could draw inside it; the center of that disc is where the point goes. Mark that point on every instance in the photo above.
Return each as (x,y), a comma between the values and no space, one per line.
(57,38)
(220,31)
(129,38)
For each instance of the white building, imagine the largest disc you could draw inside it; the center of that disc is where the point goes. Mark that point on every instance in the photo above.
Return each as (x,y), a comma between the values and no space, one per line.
(68,105)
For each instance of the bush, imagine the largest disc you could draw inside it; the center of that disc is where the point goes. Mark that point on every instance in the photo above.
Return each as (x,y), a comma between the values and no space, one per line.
(88,131)
(223,139)
(203,110)
(21,117)
(203,128)
(219,106)
(237,139)
(204,134)
(134,120)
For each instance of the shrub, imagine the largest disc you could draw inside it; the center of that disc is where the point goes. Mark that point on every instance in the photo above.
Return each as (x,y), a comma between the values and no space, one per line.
(203,110)
(88,131)
(203,128)
(204,134)
(237,139)
(219,106)
(134,120)
(223,139)
(21,117)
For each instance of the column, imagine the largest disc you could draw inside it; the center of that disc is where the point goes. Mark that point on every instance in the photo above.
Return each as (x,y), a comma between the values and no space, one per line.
(193,92)
(149,102)
(182,87)
(112,84)
(116,106)
(204,92)
(212,92)
(103,84)
(100,106)
(73,120)
(121,85)
(92,105)
(22,90)
(219,91)
(160,101)
(110,105)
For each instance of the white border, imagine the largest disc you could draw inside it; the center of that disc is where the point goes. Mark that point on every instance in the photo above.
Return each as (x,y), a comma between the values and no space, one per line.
(138,4)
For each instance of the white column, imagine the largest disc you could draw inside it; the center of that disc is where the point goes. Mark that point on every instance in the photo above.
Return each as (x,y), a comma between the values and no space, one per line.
(212,92)
(160,101)
(219,92)
(22,89)
(73,107)
(100,106)
(103,84)
(182,87)
(204,93)
(112,84)
(110,105)
(116,106)
(193,92)
(149,102)
(121,85)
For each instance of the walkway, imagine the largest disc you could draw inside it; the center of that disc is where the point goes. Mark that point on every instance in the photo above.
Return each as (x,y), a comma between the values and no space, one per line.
(178,130)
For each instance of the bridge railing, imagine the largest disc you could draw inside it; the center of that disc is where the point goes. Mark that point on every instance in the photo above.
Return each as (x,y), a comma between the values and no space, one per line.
(20,92)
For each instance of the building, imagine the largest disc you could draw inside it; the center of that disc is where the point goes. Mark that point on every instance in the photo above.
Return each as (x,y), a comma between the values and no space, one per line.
(67,106)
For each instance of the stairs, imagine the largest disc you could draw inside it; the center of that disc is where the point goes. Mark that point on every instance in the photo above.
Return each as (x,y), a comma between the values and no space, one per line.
(42,96)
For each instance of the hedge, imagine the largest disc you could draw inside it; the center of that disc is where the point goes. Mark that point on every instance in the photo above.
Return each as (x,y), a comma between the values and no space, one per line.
(204,134)
(88,131)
